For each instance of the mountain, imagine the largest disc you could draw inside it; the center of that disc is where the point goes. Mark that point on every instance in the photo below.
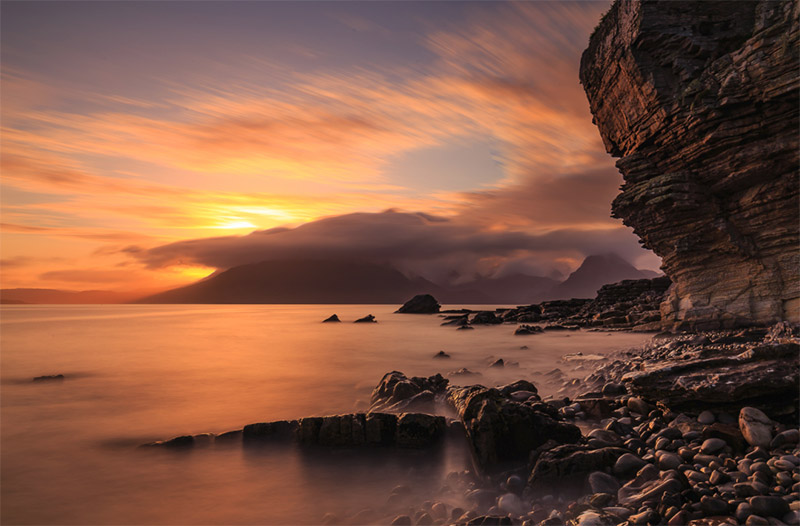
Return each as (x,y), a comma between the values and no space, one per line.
(64,297)
(301,282)
(594,272)
(514,289)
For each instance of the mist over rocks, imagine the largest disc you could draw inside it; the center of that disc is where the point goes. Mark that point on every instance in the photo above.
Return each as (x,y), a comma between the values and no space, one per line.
(698,100)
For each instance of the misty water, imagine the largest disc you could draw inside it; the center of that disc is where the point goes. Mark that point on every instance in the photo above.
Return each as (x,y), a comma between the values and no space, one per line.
(137,373)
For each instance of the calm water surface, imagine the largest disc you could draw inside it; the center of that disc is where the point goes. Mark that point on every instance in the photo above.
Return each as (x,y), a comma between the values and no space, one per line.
(137,373)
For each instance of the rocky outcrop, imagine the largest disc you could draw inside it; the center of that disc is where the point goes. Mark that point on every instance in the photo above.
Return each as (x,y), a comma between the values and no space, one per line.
(501,432)
(629,303)
(420,304)
(397,393)
(699,101)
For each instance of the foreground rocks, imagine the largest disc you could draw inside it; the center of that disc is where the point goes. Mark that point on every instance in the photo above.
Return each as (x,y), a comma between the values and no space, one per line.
(698,100)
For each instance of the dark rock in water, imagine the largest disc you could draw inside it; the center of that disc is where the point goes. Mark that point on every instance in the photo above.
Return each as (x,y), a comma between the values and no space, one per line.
(229,436)
(369,318)
(501,431)
(459,321)
(519,385)
(463,374)
(380,429)
(498,363)
(423,402)
(402,520)
(396,387)
(466,328)
(704,119)
(441,354)
(420,304)
(764,376)
(486,317)
(568,465)
(49,378)
(280,430)
(558,327)
(416,430)
(332,318)
(528,329)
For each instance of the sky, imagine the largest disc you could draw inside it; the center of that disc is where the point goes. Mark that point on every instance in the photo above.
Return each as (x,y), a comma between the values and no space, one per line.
(148,144)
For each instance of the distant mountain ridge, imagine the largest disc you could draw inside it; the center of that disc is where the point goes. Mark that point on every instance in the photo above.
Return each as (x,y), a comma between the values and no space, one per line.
(342,281)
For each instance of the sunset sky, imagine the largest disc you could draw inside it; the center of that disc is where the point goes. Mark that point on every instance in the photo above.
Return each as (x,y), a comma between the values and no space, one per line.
(142,142)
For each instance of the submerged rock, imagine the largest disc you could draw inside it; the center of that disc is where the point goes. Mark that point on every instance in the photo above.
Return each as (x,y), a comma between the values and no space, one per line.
(332,318)
(420,304)
(369,318)
(49,378)
(528,329)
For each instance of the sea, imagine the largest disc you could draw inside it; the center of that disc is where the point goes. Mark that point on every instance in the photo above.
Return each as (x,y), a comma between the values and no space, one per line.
(138,373)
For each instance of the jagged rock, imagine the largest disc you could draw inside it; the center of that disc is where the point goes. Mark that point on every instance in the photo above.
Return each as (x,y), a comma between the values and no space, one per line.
(570,465)
(415,430)
(485,317)
(369,318)
(331,318)
(395,387)
(501,431)
(698,100)
(420,304)
(764,376)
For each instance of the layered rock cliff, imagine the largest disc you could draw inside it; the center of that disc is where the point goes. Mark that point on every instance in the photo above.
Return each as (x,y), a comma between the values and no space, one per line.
(699,101)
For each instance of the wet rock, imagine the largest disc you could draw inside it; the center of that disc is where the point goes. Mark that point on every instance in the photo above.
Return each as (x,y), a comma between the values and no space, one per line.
(756,427)
(420,304)
(628,465)
(369,318)
(669,461)
(502,431)
(416,430)
(463,374)
(179,442)
(269,431)
(614,389)
(712,445)
(441,354)
(332,319)
(713,506)
(637,405)
(706,418)
(425,519)
(485,318)
(498,363)
(49,378)
(466,328)
(510,503)
(768,506)
(396,387)
(600,482)
(570,464)
(790,436)
(650,490)
(402,520)
(380,429)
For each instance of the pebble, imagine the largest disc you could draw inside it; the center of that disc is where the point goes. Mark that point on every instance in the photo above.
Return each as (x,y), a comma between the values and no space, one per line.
(510,503)
(603,483)
(637,405)
(669,461)
(768,506)
(706,418)
(713,506)
(756,427)
(628,464)
(712,445)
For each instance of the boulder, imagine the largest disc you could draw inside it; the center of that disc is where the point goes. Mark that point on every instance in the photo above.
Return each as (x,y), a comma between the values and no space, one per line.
(396,387)
(369,318)
(420,304)
(502,432)
(331,319)
(569,465)
(528,329)
(756,427)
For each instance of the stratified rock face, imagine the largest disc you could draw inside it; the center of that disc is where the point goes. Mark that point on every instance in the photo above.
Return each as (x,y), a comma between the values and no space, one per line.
(699,100)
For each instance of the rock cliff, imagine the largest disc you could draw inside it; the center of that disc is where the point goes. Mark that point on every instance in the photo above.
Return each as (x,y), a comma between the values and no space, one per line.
(699,101)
